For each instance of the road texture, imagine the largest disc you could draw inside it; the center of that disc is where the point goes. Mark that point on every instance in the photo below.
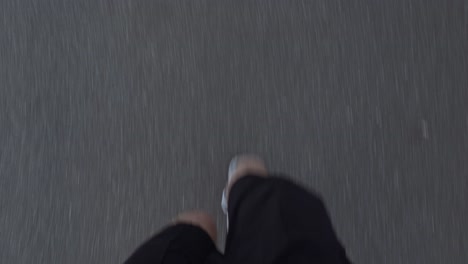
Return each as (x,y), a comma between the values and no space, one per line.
(117,115)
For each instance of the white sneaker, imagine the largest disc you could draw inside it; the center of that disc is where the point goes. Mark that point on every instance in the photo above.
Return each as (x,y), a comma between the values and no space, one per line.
(242,165)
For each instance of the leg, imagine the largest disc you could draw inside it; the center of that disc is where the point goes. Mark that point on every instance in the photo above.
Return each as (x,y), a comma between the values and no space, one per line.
(189,240)
(273,220)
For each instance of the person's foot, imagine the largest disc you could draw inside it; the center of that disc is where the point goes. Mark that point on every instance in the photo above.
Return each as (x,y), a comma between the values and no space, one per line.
(241,166)
(200,219)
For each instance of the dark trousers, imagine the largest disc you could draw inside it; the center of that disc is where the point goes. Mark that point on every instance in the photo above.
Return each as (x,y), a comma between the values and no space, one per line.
(271,220)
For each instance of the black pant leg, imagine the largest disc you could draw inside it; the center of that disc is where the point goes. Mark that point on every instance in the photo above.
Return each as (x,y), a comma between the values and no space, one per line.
(178,244)
(273,220)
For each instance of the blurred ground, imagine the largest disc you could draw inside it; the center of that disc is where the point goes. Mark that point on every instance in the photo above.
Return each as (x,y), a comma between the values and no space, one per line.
(116,115)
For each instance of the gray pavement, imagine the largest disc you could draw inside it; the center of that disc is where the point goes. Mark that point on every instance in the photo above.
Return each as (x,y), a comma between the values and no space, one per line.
(117,115)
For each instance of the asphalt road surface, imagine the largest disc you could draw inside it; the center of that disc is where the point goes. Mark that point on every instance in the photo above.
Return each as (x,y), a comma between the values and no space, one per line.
(117,115)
